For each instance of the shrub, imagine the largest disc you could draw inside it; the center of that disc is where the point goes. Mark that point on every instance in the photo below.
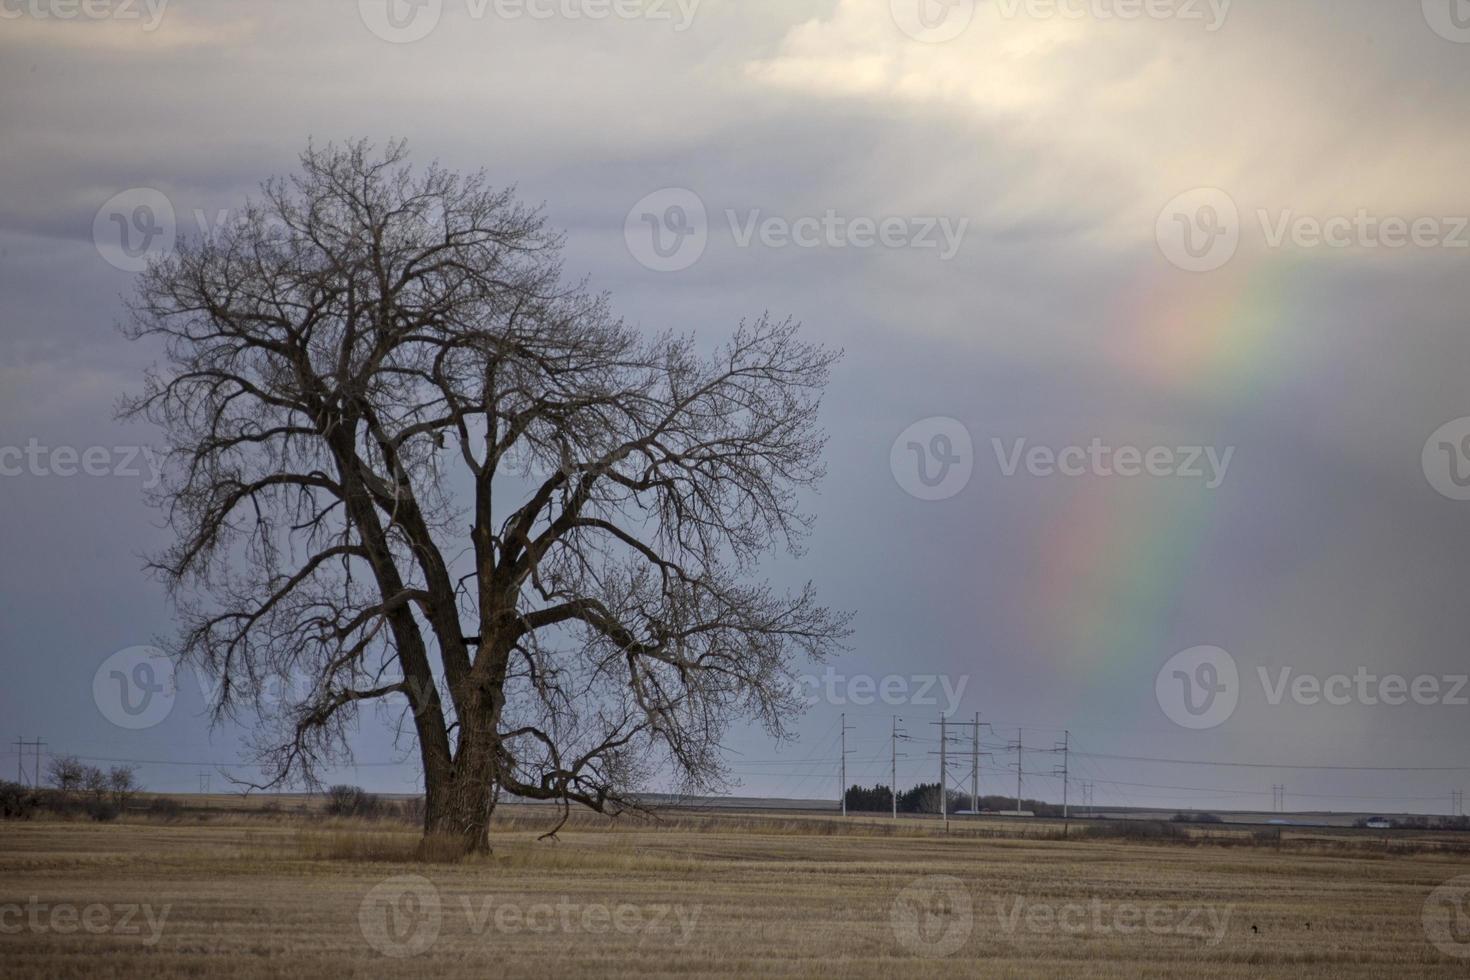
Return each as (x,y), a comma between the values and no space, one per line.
(165,808)
(66,773)
(18,801)
(353,801)
(412,810)
(1146,830)
(102,810)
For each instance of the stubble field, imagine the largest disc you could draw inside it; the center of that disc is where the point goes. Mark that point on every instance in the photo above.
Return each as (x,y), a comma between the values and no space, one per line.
(235,895)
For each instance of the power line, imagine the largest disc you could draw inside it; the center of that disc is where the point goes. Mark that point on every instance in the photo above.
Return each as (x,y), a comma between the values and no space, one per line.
(1272,765)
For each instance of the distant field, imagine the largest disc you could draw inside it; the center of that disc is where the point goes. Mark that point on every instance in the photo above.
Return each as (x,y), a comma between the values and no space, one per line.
(766,895)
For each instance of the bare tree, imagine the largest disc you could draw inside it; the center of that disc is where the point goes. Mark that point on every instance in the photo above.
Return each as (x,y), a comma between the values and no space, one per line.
(408,462)
(94,781)
(122,785)
(66,773)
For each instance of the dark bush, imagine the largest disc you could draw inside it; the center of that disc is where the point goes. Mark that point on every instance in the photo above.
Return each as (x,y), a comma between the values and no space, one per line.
(165,808)
(18,801)
(103,811)
(353,801)
(1145,830)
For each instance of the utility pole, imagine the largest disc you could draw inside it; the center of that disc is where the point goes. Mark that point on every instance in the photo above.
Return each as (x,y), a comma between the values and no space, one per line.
(1065,749)
(842,769)
(893,770)
(943,774)
(1019,749)
(21,744)
(975,770)
(1457,803)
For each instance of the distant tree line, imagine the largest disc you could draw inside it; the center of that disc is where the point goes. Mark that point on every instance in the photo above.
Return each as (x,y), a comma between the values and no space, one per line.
(924,798)
(74,788)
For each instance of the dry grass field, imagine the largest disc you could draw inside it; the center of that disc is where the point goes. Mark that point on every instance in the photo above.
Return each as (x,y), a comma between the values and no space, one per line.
(258,896)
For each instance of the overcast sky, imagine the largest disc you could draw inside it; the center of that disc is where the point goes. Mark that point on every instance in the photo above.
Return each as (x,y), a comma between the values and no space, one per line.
(1221,247)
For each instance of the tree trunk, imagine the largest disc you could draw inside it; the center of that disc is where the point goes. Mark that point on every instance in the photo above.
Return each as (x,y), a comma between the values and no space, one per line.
(460,799)
(460,812)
